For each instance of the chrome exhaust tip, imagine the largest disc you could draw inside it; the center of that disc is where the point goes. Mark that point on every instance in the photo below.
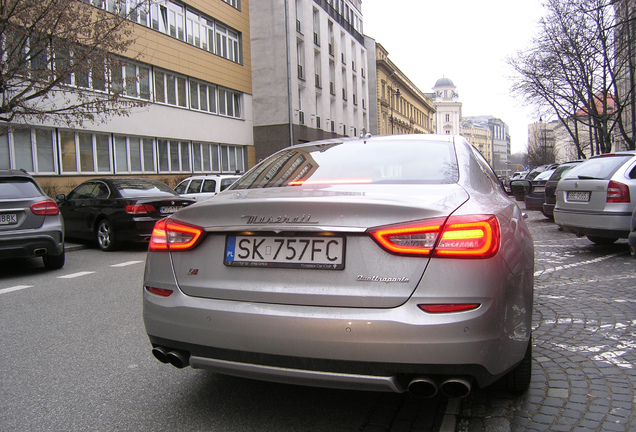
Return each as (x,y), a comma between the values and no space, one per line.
(422,387)
(160,354)
(456,387)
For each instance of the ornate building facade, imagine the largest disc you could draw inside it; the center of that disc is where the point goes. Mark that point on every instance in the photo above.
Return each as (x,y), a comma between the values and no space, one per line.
(398,106)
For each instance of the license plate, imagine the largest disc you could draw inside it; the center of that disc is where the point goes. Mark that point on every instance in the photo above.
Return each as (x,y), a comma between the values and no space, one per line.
(8,219)
(169,209)
(574,196)
(322,253)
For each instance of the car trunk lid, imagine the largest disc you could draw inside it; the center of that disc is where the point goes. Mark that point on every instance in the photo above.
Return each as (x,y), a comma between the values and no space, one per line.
(367,277)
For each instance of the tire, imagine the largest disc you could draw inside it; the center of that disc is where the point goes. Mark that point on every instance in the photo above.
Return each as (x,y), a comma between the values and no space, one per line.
(54,262)
(106,236)
(602,241)
(518,380)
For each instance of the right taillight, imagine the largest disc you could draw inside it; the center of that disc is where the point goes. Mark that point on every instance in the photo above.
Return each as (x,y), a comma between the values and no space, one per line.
(45,208)
(474,236)
(170,235)
(617,192)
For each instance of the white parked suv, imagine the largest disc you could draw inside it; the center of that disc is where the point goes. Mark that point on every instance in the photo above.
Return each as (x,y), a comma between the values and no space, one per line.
(203,187)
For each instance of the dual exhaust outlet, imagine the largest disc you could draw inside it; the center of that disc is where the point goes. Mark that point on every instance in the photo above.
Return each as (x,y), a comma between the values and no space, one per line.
(426,387)
(423,387)
(176,358)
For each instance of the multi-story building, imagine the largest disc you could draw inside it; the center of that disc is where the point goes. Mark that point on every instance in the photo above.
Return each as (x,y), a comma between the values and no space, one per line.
(192,63)
(309,67)
(542,137)
(448,108)
(500,142)
(625,11)
(397,105)
(479,135)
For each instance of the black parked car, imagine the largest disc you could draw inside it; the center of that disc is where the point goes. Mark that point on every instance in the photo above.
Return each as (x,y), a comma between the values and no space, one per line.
(117,210)
(551,185)
(30,222)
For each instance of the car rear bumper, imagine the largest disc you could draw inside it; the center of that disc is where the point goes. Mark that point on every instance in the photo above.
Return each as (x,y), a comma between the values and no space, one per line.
(601,224)
(19,245)
(534,203)
(366,349)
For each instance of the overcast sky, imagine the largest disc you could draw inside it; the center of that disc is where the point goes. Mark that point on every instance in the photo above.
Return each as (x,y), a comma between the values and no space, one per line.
(467,41)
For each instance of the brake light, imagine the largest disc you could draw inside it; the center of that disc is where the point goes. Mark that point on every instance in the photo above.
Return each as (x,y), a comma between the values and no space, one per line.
(139,209)
(617,193)
(170,235)
(330,182)
(45,208)
(448,308)
(458,237)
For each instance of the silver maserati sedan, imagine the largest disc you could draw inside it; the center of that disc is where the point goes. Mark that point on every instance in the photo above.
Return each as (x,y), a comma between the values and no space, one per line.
(389,263)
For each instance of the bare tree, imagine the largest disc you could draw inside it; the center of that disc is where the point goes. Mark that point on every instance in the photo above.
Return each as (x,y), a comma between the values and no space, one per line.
(60,60)
(570,72)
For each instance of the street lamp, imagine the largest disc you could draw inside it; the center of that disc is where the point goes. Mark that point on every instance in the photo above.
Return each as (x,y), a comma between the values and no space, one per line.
(397,95)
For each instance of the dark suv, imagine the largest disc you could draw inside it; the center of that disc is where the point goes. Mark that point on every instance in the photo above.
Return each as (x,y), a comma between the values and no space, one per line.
(30,221)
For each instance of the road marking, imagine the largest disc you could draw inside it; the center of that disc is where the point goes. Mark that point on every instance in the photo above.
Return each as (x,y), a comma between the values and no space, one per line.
(74,275)
(15,288)
(124,264)
(566,266)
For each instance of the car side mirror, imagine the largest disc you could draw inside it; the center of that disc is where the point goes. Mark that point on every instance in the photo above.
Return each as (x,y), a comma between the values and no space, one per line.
(60,197)
(520,187)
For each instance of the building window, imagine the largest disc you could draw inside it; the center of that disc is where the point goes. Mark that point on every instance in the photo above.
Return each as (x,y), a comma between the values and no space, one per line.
(173,156)
(132,80)
(227,43)
(170,89)
(234,3)
(27,148)
(84,152)
(229,103)
(134,154)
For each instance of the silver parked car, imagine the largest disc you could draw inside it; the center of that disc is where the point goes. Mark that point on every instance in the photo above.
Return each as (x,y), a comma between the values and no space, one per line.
(380,263)
(30,221)
(597,198)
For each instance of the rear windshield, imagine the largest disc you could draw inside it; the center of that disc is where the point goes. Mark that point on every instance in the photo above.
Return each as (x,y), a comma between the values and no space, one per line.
(18,188)
(602,168)
(358,162)
(561,170)
(135,188)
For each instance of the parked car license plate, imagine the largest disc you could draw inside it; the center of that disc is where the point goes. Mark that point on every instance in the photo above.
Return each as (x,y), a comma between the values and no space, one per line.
(169,209)
(323,253)
(576,196)
(8,219)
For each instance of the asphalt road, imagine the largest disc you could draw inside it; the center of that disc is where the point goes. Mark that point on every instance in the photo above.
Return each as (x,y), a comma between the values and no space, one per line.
(74,357)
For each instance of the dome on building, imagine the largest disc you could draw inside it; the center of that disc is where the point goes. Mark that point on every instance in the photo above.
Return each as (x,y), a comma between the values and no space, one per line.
(444,82)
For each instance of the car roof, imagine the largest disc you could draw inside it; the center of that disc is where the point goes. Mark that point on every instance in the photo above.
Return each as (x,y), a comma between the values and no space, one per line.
(6,173)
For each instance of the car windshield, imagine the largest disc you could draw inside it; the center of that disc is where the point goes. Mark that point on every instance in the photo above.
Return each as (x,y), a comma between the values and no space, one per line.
(358,162)
(602,167)
(136,188)
(18,188)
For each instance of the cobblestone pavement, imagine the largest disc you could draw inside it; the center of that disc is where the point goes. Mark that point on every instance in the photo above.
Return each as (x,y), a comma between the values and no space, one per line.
(584,357)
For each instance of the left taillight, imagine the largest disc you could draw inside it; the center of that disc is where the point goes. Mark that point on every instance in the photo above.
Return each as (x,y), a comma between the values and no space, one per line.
(139,209)
(475,236)
(170,235)
(45,208)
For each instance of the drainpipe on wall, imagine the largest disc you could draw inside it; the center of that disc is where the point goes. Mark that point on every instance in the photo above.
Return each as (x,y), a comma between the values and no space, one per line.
(289,85)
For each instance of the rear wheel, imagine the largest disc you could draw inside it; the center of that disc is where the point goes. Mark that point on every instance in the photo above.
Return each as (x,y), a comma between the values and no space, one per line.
(518,379)
(106,236)
(54,262)
(602,241)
